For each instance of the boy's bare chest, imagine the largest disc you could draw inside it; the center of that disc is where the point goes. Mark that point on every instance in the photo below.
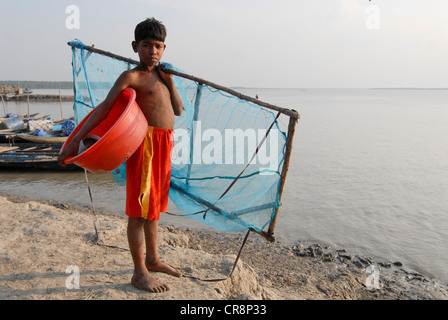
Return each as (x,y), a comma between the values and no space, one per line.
(153,96)
(151,88)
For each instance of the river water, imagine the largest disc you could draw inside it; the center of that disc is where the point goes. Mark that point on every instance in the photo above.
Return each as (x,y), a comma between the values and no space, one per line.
(369,173)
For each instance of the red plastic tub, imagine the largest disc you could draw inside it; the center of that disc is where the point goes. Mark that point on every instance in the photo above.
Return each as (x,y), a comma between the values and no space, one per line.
(120,134)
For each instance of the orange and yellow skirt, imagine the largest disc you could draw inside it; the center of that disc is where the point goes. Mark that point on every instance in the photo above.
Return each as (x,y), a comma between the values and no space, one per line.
(148,173)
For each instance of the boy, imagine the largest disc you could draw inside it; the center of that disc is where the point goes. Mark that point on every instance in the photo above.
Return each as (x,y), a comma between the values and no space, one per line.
(148,170)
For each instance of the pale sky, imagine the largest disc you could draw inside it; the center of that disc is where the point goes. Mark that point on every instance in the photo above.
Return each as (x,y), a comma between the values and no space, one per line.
(281,43)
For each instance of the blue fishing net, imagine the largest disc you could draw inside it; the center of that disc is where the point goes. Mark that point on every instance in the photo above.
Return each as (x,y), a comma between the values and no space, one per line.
(228,153)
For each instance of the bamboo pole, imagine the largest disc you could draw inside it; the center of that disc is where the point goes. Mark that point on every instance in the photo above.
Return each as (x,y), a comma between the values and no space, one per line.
(60,99)
(289,143)
(192,136)
(3,102)
(237,94)
(106,53)
(28,102)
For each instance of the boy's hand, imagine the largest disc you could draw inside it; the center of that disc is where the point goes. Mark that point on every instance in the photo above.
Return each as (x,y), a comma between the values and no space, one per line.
(166,77)
(70,150)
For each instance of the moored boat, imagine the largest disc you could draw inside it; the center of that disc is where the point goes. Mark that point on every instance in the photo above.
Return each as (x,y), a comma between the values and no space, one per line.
(35,156)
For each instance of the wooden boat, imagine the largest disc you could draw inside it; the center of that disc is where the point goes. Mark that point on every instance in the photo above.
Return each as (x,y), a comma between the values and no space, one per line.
(39,139)
(35,156)
(12,137)
(9,135)
(31,116)
(23,135)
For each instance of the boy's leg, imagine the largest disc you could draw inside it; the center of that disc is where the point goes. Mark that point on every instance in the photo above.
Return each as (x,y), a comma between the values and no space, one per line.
(153,262)
(141,278)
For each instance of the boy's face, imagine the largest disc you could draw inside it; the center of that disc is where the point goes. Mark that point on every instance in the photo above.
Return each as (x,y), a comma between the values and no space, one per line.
(150,51)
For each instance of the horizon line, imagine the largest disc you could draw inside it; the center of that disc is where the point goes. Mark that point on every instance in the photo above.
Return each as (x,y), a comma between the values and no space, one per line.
(2,82)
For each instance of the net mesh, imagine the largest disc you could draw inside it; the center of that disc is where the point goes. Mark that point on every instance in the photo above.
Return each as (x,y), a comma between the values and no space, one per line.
(226,162)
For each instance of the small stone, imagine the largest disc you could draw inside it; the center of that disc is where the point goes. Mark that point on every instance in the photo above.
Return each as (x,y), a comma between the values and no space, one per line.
(346,257)
(366,261)
(385,264)
(188,270)
(329,257)
(218,290)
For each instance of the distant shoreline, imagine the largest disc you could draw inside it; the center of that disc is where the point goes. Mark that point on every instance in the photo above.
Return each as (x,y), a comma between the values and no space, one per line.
(408,89)
(32,84)
(404,88)
(39,97)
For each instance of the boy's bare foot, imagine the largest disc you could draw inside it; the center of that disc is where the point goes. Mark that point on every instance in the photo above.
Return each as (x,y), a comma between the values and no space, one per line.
(159,266)
(146,282)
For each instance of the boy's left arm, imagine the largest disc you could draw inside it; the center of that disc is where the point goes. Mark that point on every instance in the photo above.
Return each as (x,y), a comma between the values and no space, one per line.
(176,101)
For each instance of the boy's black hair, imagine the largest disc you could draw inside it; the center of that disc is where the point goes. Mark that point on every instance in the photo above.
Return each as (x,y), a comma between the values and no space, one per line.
(150,28)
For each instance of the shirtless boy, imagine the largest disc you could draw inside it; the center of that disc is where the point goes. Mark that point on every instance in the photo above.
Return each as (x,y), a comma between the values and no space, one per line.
(148,170)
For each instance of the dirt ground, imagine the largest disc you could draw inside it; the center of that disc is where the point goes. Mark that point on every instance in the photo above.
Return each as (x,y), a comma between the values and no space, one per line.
(49,250)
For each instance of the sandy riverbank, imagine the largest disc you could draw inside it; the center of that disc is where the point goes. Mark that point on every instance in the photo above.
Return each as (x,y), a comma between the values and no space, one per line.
(43,244)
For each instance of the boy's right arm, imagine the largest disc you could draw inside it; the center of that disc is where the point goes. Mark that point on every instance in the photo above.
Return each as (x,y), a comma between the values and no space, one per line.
(100,113)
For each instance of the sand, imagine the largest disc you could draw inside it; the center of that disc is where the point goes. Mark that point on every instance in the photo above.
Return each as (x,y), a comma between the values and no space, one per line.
(49,251)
